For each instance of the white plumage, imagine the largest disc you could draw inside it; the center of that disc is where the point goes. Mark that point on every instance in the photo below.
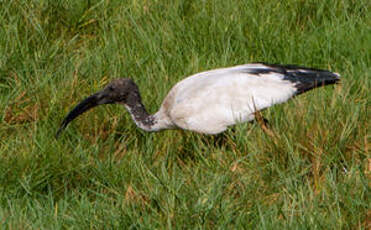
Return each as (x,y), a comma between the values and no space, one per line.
(209,102)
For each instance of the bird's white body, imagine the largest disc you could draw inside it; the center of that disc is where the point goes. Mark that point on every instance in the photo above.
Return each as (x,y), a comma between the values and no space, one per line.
(209,102)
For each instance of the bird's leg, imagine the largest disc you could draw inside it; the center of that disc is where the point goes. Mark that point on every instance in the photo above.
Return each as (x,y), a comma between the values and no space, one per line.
(220,139)
(217,140)
(264,124)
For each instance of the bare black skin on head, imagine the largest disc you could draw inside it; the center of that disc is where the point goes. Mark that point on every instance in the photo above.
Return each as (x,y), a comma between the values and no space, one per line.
(119,91)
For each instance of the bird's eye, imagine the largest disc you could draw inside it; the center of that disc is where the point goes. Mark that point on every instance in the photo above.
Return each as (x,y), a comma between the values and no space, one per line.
(110,88)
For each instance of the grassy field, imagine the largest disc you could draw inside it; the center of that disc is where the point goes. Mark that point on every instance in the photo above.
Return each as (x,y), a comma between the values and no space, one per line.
(104,173)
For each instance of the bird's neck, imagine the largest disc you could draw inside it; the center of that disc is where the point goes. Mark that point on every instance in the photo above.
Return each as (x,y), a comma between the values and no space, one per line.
(142,118)
(139,113)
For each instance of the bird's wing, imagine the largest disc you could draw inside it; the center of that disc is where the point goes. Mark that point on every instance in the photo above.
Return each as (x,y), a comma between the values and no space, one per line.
(210,101)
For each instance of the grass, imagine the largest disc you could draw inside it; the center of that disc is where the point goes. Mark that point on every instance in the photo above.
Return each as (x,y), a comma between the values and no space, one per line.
(104,173)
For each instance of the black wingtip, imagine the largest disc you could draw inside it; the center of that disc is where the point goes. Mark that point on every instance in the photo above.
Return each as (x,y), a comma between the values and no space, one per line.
(308,81)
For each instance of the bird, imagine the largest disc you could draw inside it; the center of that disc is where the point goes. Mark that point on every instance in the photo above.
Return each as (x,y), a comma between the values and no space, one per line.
(211,101)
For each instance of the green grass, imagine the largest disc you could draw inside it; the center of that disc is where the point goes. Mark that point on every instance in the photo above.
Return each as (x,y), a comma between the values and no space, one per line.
(105,173)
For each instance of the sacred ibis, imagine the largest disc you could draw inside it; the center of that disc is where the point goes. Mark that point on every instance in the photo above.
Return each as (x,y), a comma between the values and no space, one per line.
(209,102)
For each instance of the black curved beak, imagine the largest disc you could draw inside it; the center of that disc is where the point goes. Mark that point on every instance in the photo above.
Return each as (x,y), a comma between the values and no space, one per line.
(92,101)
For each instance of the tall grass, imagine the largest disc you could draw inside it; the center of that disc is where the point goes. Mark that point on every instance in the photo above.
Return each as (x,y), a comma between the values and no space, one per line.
(105,173)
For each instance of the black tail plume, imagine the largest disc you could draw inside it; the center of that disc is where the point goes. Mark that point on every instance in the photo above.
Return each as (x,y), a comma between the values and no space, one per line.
(306,78)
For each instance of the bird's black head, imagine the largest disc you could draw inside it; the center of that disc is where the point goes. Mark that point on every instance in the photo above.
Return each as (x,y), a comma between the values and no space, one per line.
(122,90)
(119,91)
